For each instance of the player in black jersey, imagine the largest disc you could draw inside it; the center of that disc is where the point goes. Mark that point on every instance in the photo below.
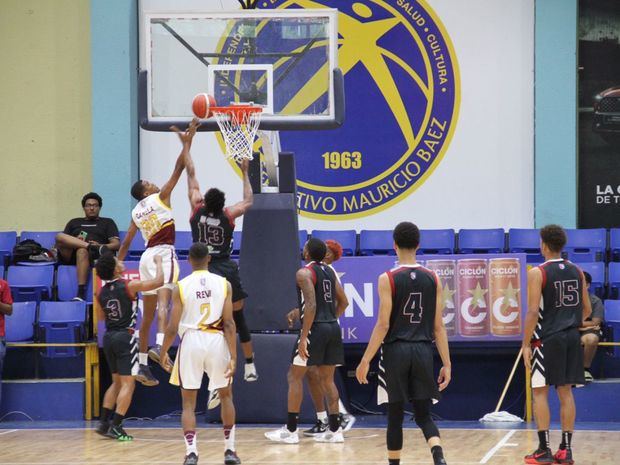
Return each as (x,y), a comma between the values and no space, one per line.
(410,306)
(214,224)
(117,307)
(319,344)
(558,303)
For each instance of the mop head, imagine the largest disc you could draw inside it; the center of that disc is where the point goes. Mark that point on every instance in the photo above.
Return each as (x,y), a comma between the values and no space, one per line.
(501,417)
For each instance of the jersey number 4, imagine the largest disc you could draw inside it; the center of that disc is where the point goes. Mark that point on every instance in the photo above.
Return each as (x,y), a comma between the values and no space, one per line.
(413,307)
(566,293)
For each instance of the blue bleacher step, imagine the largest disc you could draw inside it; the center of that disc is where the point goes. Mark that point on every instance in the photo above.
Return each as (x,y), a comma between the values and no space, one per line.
(597,401)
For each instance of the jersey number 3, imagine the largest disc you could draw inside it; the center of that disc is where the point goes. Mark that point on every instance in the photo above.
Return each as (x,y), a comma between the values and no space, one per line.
(413,307)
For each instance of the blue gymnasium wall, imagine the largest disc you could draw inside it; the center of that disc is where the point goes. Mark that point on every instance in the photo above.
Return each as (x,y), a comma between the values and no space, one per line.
(114,39)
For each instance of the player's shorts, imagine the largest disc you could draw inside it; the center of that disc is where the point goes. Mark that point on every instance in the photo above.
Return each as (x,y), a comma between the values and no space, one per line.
(228,269)
(121,351)
(169,263)
(324,346)
(201,352)
(557,360)
(406,373)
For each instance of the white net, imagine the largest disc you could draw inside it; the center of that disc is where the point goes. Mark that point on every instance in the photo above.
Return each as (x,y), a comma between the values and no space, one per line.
(238,126)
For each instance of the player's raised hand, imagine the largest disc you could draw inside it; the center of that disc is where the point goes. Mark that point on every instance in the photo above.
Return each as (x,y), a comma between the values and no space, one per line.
(187,136)
(230,369)
(361,373)
(445,375)
(165,362)
(245,165)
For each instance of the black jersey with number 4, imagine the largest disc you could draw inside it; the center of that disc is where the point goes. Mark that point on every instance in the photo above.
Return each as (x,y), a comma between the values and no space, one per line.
(214,230)
(414,301)
(561,303)
(324,280)
(117,305)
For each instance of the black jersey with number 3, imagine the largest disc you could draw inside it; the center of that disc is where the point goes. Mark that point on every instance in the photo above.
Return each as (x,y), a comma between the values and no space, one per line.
(214,230)
(117,305)
(414,301)
(324,279)
(561,303)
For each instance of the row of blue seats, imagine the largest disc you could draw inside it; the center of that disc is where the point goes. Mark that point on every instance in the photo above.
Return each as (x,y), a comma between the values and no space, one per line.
(584,245)
(38,283)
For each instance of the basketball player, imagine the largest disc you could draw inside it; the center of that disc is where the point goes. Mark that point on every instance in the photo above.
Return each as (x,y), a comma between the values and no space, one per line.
(558,303)
(202,315)
(213,224)
(410,306)
(117,299)
(319,344)
(334,252)
(153,217)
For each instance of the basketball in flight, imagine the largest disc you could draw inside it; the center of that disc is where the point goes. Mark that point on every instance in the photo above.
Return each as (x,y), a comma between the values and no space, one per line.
(202,104)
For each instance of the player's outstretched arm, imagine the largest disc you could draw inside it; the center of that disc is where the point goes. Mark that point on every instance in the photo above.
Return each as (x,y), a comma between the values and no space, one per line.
(193,187)
(441,341)
(230,331)
(380,330)
(131,232)
(240,208)
(341,300)
(172,329)
(305,283)
(151,284)
(534,293)
(186,139)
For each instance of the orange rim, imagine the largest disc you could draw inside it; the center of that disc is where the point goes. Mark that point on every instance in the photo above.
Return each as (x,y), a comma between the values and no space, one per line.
(237,110)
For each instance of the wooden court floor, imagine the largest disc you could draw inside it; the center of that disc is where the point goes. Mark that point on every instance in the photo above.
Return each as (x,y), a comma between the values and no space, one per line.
(362,446)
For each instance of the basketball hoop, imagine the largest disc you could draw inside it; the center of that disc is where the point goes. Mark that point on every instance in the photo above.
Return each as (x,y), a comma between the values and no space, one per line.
(238,124)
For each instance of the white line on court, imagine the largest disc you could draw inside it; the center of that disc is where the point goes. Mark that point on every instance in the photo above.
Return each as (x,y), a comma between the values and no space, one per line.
(263,440)
(498,446)
(7,431)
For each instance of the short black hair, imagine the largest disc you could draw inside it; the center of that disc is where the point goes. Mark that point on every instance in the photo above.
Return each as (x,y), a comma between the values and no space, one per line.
(588,277)
(137,190)
(199,251)
(316,249)
(554,237)
(105,266)
(214,201)
(406,235)
(94,196)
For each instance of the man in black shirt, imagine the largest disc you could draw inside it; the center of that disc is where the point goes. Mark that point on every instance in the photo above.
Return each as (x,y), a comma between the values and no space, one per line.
(410,317)
(117,306)
(591,330)
(558,303)
(84,240)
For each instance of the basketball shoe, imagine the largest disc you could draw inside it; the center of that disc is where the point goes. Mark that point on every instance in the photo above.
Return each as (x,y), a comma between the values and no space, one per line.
(330,436)
(145,376)
(346,421)
(283,435)
(540,456)
(250,374)
(118,433)
(319,428)
(214,399)
(191,459)
(155,353)
(103,428)
(564,456)
(231,458)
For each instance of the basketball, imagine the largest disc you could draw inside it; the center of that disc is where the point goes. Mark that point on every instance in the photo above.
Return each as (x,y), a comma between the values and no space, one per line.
(201,105)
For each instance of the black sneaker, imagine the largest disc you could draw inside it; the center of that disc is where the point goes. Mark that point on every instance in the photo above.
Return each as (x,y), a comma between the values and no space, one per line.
(540,457)
(103,428)
(564,456)
(191,459)
(231,458)
(440,461)
(588,376)
(318,428)
(155,353)
(145,376)
(118,433)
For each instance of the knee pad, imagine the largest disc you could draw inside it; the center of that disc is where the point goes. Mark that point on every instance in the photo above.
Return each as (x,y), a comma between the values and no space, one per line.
(242,327)
(394,435)
(423,419)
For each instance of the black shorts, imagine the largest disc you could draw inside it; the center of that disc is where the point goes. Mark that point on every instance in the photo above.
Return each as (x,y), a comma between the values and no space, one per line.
(406,373)
(93,255)
(121,352)
(557,360)
(324,346)
(228,269)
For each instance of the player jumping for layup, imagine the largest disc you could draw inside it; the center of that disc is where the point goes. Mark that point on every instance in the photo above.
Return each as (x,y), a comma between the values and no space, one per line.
(213,224)
(202,315)
(558,303)
(153,217)
(117,301)
(410,305)
(319,344)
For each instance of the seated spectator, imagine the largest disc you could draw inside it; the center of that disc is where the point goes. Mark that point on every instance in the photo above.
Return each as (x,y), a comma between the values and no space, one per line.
(591,330)
(6,308)
(85,239)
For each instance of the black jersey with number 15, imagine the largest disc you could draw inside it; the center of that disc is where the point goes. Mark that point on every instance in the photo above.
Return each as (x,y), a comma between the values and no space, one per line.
(117,305)
(324,280)
(214,230)
(414,301)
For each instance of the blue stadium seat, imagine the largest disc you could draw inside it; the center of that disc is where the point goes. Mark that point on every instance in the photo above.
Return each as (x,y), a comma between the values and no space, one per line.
(436,241)
(135,248)
(612,320)
(182,243)
(376,242)
(346,238)
(20,325)
(236,248)
(586,245)
(67,285)
(614,244)
(31,283)
(184,269)
(47,239)
(597,271)
(614,280)
(303,238)
(525,241)
(7,242)
(62,322)
(481,240)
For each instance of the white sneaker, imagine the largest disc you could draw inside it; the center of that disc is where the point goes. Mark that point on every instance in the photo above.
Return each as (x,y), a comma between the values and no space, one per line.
(214,399)
(329,436)
(346,421)
(250,374)
(283,435)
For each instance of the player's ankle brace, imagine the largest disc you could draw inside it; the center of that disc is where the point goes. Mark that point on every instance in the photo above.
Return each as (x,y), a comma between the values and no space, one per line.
(242,327)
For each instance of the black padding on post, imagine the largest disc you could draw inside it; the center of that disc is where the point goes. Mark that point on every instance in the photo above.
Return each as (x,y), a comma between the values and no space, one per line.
(288,176)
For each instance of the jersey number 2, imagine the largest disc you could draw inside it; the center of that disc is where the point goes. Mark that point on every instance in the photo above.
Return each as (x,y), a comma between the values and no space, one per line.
(413,307)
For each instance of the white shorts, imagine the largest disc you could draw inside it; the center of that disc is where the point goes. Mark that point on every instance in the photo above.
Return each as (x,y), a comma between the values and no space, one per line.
(169,264)
(201,352)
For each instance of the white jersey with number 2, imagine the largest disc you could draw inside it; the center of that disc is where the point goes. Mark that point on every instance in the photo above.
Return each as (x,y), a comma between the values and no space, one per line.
(203,295)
